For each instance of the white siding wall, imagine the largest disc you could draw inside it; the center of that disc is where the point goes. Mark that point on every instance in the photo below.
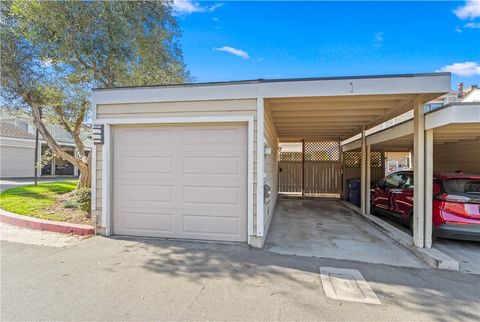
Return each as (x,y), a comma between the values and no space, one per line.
(173,109)
(271,166)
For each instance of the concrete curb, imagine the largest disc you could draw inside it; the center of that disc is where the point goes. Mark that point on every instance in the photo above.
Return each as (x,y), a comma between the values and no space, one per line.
(432,257)
(43,224)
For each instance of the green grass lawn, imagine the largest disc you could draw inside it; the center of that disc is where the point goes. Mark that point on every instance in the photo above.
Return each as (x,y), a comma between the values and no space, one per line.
(34,201)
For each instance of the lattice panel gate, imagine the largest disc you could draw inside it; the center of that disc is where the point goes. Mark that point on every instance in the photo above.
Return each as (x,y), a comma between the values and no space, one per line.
(315,172)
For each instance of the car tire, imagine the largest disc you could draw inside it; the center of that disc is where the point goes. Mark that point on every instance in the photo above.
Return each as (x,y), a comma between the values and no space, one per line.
(410,221)
(434,235)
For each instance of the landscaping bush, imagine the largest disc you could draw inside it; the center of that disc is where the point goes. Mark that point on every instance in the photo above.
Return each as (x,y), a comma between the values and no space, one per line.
(83,199)
(69,204)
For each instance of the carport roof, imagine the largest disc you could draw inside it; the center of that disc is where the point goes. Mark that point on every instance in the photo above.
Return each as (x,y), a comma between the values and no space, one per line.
(451,123)
(276,80)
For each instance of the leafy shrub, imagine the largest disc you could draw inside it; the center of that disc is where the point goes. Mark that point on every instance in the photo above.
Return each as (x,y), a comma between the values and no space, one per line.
(69,204)
(83,198)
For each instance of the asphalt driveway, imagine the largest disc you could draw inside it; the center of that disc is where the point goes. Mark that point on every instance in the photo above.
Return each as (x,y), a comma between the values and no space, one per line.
(151,279)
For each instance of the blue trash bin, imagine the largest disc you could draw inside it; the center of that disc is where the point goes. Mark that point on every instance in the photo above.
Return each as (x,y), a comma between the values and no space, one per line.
(354,192)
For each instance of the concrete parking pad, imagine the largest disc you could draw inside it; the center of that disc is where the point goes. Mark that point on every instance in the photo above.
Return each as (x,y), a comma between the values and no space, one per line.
(328,229)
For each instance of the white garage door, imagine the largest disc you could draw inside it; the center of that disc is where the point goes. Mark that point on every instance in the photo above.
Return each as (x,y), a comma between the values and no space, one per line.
(16,162)
(180,181)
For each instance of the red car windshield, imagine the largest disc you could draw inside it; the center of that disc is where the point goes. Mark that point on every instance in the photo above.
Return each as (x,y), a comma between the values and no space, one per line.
(464,187)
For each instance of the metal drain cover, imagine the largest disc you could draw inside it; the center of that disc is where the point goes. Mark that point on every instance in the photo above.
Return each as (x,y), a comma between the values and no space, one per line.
(347,285)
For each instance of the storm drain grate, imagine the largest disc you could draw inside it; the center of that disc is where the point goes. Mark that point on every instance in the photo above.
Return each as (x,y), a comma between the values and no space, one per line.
(347,285)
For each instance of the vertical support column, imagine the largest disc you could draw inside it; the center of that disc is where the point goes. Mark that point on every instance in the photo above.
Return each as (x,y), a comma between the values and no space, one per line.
(39,157)
(260,165)
(428,186)
(363,173)
(106,180)
(303,168)
(343,183)
(419,173)
(52,162)
(368,180)
(75,169)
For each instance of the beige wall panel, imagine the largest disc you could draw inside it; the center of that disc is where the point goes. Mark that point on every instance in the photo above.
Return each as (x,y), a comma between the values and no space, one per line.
(174,108)
(463,155)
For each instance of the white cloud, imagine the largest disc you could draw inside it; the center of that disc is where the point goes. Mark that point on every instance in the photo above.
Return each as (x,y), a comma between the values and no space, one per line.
(186,7)
(458,29)
(470,10)
(472,25)
(462,69)
(378,39)
(234,51)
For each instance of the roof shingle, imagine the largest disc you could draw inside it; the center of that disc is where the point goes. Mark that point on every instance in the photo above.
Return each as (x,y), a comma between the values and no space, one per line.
(10,130)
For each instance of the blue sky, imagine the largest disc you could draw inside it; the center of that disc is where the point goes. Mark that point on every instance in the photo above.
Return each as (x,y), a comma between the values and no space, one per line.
(247,40)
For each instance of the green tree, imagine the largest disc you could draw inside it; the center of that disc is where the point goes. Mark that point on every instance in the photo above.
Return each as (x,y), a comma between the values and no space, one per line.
(54,52)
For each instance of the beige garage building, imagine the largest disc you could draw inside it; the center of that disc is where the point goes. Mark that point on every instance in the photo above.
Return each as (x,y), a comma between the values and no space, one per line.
(200,161)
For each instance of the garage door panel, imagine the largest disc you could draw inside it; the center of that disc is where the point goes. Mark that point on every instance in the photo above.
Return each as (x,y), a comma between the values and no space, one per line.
(133,165)
(212,165)
(192,188)
(228,227)
(143,138)
(211,138)
(146,192)
(212,195)
(136,220)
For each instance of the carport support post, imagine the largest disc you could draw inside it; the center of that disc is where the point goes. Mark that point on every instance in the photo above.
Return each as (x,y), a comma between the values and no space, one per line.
(368,179)
(418,173)
(428,186)
(260,166)
(363,174)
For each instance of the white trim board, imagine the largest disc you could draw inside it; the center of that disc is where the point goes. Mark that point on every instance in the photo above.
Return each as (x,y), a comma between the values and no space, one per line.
(453,114)
(397,131)
(107,158)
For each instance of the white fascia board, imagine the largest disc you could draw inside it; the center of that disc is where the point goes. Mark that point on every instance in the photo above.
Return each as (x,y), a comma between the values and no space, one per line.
(358,86)
(453,114)
(391,133)
(379,85)
(354,145)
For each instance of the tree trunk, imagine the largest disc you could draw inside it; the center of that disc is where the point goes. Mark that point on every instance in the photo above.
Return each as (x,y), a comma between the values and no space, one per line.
(85,179)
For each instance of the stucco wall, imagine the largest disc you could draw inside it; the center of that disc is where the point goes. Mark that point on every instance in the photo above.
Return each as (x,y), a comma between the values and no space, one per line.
(174,109)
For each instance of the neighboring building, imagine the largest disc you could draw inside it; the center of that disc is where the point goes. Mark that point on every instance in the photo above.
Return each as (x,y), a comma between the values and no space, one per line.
(17,147)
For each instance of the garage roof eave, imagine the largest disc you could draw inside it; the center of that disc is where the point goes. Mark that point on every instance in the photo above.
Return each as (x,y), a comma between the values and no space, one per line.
(276,80)
(432,83)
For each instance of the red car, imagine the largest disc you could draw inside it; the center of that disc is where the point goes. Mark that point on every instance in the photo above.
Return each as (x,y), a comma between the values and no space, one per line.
(456,202)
